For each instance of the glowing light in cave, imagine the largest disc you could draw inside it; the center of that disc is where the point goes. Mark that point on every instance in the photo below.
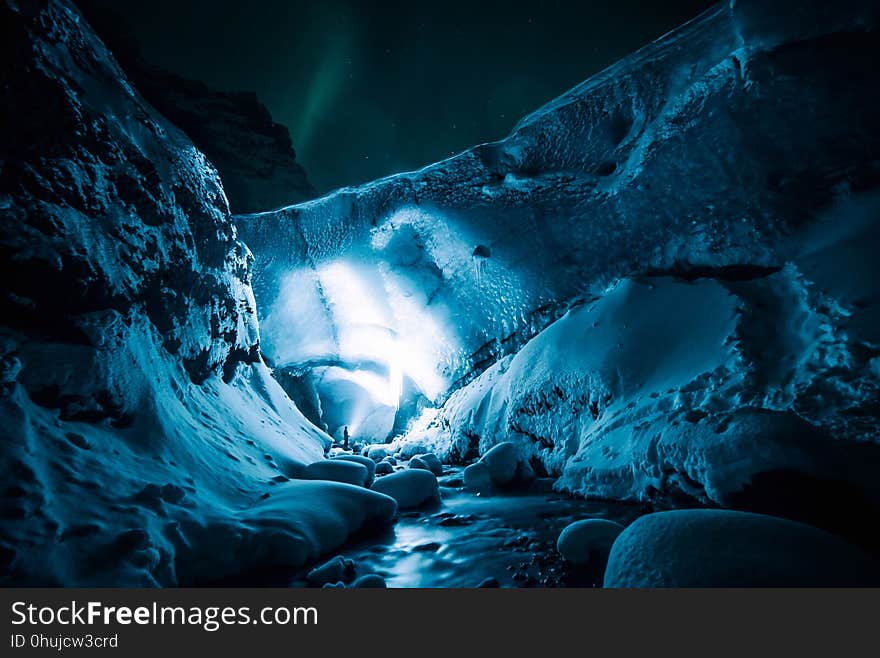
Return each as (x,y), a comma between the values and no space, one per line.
(367,334)
(377,323)
(376,326)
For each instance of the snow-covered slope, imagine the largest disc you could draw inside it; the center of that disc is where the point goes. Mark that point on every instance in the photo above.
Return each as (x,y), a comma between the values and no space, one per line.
(669,387)
(733,162)
(143,439)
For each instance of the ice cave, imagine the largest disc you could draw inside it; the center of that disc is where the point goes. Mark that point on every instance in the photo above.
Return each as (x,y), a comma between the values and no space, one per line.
(635,343)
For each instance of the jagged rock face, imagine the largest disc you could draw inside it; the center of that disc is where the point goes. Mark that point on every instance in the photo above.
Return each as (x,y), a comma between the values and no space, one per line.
(253,154)
(141,429)
(107,208)
(743,149)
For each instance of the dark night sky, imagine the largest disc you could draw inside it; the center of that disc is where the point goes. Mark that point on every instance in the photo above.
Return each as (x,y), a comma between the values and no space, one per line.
(372,88)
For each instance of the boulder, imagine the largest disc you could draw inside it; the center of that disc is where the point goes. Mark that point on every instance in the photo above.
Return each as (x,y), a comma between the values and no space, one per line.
(332,571)
(366,462)
(582,540)
(723,548)
(476,476)
(337,470)
(433,463)
(502,461)
(384,468)
(410,488)
(377,453)
(417,462)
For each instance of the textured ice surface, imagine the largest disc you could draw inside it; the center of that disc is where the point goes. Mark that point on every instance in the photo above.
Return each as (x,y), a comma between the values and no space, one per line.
(663,385)
(705,210)
(710,152)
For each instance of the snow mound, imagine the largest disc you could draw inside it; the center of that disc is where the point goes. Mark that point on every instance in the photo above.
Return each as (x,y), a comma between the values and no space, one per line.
(338,470)
(410,488)
(667,387)
(580,541)
(722,548)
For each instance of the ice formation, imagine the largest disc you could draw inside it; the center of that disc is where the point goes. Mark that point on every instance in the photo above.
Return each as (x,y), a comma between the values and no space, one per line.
(660,284)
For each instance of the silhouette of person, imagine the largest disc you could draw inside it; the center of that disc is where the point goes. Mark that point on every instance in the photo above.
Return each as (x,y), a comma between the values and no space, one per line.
(345,437)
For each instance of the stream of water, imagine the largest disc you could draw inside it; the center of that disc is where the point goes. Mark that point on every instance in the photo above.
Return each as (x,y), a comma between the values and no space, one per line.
(469,537)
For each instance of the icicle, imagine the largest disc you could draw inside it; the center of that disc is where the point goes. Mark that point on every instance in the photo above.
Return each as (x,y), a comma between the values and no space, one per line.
(479,255)
(478,269)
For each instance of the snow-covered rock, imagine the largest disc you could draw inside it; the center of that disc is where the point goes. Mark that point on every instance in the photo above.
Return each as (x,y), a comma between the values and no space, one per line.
(377,453)
(501,466)
(367,463)
(477,477)
(416,462)
(370,580)
(338,470)
(583,540)
(432,462)
(722,548)
(334,570)
(501,461)
(410,488)
(299,522)
(384,468)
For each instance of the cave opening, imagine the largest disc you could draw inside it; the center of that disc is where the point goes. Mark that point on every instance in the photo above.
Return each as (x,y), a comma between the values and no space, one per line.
(366,350)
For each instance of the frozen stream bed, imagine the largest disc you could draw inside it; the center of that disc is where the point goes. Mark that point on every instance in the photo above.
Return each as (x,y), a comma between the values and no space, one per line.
(470,537)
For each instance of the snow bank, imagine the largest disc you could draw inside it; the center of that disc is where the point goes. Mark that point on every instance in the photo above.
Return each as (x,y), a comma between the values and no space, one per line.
(663,387)
(180,496)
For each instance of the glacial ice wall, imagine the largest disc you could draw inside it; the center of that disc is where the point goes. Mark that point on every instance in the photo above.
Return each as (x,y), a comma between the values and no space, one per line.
(741,149)
(708,148)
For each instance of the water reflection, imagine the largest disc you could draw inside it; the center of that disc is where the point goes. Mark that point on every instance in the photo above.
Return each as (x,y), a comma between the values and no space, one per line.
(469,538)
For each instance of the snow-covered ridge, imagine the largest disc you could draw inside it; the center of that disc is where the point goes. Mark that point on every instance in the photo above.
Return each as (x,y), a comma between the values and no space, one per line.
(144,441)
